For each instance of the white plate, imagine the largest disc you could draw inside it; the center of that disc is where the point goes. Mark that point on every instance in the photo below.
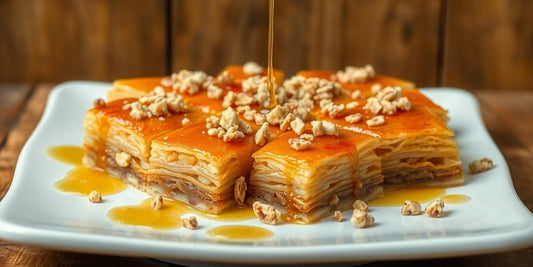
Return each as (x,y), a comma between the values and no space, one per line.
(33,212)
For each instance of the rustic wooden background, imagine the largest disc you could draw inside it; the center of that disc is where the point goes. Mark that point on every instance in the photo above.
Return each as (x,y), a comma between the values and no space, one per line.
(474,44)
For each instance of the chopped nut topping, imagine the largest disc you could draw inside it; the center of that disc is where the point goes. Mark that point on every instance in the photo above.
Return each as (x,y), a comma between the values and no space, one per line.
(225,78)
(95,197)
(360,205)
(305,91)
(375,88)
(299,143)
(243,99)
(252,68)
(376,121)
(229,99)
(361,219)
(156,202)
(239,190)
(276,115)
(190,82)
(262,135)
(354,74)
(333,110)
(185,121)
(157,103)
(123,159)
(352,105)
(298,126)
(324,127)
(356,94)
(481,165)
(435,208)
(337,216)
(353,118)
(266,213)
(259,118)
(214,92)
(411,208)
(388,101)
(228,127)
(190,223)
(333,200)
(98,103)
(286,123)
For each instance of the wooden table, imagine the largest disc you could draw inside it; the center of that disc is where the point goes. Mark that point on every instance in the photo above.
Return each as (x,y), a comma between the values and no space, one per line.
(507,115)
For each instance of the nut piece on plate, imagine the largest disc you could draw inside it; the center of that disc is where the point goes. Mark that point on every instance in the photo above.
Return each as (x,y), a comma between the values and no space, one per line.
(337,216)
(123,159)
(157,202)
(360,205)
(361,219)
(481,165)
(435,208)
(411,208)
(266,213)
(95,197)
(190,223)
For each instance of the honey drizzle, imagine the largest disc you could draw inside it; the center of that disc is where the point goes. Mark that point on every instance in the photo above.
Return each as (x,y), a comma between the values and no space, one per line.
(455,199)
(396,196)
(239,232)
(71,155)
(270,69)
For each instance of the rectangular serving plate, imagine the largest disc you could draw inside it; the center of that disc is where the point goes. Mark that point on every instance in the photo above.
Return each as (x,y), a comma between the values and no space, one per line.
(33,212)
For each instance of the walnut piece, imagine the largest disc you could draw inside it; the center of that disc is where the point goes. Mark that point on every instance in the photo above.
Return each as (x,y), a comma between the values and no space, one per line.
(276,115)
(435,208)
(388,101)
(356,94)
(228,126)
(190,82)
(353,118)
(337,216)
(225,78)
(190,223)
(95,197)
(299,144)
(229,99)
(157,103)
(123,159)
(157,202)
(360,205)
(266,213)
(262,135)
(356,75)
(324,127)
(361,219)
(298,126)
(308,137)
(352,105)
(481,165)
(214,92)
(286,122)
(411,208)
(239,190)
(376,121)
(185,121)
(252,68)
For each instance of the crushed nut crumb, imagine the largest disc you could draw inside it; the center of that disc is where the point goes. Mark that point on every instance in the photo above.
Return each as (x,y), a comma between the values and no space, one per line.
(308,137)
(388,101)
(225,78)
(276,115)
(95,197)
(286,122)
(190,223)
(337,216)
(123,159)
(356,75)
(157,202)
(228,126)
(298,126)
(252,68)
(481,165)
(157,103)
(324,127)
(214,92)
(360,205)
(239,190)
(185,121)
(353,118)
(352,105)
(361,219)
(266,213)
(356,94)
(435,208)
(299,144)
(229,99)
(376,121)
(411,208)
(375,88)
(263,134)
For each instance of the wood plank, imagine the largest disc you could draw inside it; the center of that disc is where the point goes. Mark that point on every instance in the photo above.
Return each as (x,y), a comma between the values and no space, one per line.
(12,100)
(489,45)
(57,40)
(398,37)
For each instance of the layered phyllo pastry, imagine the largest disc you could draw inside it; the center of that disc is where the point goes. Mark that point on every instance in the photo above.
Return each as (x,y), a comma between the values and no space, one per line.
(302,148)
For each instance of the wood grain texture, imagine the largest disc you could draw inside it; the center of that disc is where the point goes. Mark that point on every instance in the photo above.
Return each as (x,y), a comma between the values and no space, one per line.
(399,38)
(58,40)
(489,44)
(499,111)
(12,99)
